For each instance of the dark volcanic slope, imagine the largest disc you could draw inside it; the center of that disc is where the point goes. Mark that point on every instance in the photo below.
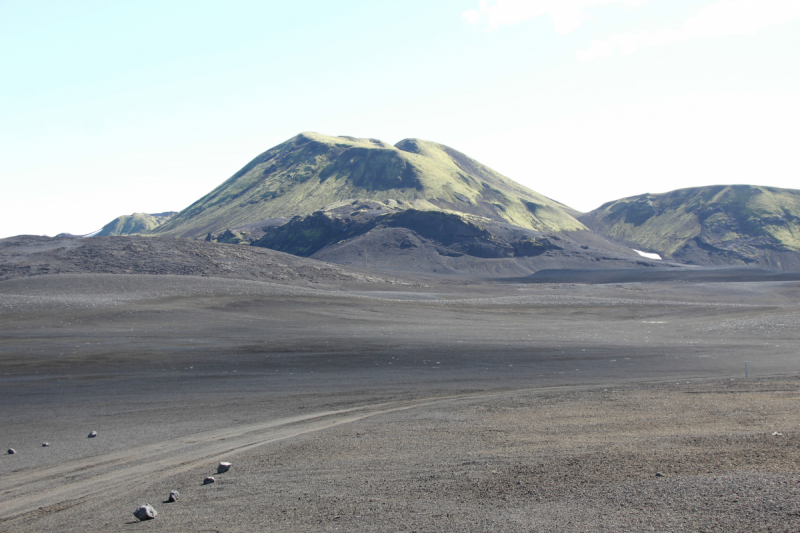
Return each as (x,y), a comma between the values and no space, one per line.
(31,256)
(367,235)
(311,172)
(720,225)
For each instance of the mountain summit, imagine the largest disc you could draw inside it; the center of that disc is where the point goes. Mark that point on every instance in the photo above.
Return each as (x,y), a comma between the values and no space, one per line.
(313,172)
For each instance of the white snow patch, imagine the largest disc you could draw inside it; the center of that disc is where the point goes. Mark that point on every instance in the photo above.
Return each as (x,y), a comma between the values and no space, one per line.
(92,234)
(647,255)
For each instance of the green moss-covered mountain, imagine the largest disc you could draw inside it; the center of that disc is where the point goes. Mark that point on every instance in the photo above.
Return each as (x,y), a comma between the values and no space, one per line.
(135,223)
(735,224)
(313,172)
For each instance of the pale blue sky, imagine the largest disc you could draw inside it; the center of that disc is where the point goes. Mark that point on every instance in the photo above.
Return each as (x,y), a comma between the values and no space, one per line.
(107,108)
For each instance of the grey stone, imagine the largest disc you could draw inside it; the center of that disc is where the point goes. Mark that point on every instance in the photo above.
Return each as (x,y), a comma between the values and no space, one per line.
(145,512)
(93,434)
(45,444)
(11,451)
(659,474)
(208,480)
(173,496)
(223,467)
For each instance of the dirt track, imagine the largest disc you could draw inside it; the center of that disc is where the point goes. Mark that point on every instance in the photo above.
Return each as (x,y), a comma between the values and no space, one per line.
(336,406)
(34,491)
(550,460)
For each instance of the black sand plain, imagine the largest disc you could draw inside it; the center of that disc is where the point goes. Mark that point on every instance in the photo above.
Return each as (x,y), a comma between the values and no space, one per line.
(353,401)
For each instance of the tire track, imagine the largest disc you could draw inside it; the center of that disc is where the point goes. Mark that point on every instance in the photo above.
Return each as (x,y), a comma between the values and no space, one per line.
(37,490)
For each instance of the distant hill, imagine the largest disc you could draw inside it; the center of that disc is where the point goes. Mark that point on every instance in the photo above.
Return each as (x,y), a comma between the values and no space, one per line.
(719,225)
(135,224)
(313,172)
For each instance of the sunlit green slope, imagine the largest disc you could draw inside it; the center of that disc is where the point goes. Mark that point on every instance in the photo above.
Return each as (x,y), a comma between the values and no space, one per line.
(741,222)
(312,172)
(135,223)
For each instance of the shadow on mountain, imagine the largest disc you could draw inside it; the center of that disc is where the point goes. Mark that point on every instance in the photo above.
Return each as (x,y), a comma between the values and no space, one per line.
(369,235)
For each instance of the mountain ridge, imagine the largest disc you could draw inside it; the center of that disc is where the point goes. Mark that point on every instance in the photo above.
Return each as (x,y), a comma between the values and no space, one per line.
(349,200)
(719,224)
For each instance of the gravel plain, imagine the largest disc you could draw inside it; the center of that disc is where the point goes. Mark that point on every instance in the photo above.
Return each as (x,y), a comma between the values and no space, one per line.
(410,404)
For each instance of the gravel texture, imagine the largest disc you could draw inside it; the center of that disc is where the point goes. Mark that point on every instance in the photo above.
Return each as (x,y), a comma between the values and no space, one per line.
(362,406)
(545,460)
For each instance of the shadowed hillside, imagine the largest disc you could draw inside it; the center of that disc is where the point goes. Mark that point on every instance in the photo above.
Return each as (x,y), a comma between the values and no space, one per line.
(370,235)
(311,172)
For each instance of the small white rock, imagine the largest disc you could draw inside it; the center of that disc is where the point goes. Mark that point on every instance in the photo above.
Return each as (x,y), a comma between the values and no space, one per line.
(173,496)
(223,467)
(11,451)
(45,444)
(93,434)
(145,512)
(208,480)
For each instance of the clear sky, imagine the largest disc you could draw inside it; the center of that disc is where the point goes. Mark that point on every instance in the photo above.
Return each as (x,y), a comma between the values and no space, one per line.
(110,107)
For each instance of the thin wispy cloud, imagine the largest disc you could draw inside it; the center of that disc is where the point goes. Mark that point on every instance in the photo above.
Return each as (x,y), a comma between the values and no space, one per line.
(721,19)
(566,15)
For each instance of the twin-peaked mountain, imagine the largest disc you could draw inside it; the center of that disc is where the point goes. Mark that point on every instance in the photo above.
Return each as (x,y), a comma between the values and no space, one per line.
(313,172)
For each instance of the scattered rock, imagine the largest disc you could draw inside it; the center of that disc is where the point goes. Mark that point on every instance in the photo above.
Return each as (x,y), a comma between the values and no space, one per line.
(208,480)
(659,474)
(173,496)
(93,434)
(776,434)
(145,512)
(11,451)
(45,444)
(223,467)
